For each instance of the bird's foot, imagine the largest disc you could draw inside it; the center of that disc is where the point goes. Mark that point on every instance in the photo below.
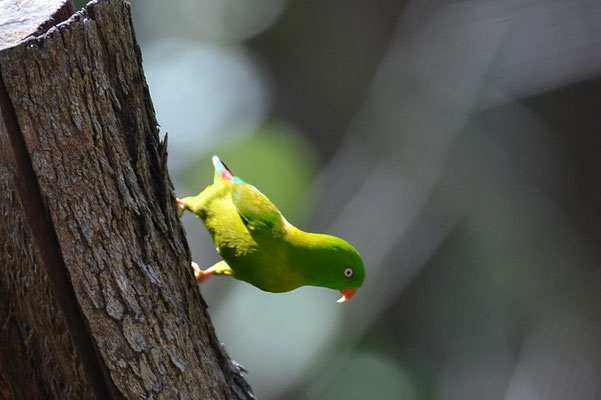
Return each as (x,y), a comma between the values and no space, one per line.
(181,207)
(201,275)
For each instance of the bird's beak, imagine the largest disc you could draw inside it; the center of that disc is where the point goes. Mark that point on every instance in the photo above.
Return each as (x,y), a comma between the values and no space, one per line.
(346,294)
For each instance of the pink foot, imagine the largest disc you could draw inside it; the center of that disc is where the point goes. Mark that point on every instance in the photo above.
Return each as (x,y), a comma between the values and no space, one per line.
(181,207)
(201,275)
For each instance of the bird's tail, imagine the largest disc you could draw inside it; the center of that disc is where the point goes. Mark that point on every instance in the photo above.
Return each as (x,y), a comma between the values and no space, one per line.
(221,170)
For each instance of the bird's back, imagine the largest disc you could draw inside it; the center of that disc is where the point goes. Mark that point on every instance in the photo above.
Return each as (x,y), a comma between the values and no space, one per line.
(249,233)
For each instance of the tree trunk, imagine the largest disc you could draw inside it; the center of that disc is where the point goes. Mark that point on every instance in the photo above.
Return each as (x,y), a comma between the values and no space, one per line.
(97,298)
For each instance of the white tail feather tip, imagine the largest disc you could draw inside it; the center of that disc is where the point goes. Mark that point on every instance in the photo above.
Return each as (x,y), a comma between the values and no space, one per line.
(219,167)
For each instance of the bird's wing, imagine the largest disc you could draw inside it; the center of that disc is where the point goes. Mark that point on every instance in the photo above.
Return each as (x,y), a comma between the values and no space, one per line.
(257,212)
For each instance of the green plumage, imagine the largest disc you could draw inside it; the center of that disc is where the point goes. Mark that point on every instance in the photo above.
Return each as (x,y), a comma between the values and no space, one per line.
(260,247)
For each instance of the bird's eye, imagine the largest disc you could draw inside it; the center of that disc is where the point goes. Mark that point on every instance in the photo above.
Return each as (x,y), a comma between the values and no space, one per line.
(348,272)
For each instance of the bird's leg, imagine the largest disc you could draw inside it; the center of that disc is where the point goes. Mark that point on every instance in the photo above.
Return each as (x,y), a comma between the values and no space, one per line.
(201,275)
(181,207)
(221,268)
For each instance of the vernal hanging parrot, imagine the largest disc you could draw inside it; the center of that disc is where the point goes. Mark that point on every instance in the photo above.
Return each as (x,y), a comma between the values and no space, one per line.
(260,247)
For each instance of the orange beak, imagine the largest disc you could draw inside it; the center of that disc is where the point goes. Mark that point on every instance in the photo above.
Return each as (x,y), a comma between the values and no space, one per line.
(346,294)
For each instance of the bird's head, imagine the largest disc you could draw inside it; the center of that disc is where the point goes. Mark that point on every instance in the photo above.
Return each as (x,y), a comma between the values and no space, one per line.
(337,265)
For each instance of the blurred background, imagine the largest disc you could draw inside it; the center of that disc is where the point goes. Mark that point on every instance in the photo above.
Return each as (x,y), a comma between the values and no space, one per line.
(456,144)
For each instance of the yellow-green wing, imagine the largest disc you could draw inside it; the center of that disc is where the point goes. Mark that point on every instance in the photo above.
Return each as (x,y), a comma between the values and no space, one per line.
(257,212)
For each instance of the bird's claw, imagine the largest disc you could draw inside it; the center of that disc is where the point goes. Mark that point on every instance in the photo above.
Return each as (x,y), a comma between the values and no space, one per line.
(199,274)
(181,207)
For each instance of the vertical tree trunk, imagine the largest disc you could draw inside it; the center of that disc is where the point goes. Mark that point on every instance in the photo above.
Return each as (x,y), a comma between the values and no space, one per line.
(97,299)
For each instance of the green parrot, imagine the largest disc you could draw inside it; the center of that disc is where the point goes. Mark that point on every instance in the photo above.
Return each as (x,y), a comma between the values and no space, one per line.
(260,247)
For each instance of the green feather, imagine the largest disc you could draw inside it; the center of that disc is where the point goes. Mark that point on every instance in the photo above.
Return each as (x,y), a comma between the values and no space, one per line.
(263,249)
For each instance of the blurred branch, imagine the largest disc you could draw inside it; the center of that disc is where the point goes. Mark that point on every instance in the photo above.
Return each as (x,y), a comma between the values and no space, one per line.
(385,174)
(385,179)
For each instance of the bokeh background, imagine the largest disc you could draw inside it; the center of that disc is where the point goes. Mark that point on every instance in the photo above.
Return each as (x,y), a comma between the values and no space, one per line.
(456,144)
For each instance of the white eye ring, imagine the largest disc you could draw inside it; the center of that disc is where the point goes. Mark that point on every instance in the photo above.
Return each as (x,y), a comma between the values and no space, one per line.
(348,272)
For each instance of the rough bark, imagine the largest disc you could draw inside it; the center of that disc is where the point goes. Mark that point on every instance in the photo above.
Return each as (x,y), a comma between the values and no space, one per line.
(97,299)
